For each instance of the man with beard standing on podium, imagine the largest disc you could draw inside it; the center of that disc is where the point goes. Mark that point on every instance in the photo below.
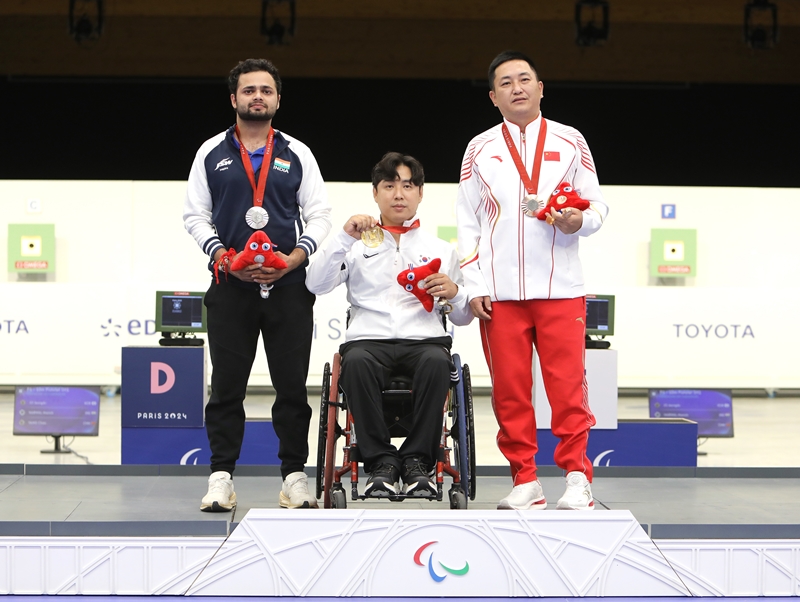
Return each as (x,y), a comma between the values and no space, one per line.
(249,178)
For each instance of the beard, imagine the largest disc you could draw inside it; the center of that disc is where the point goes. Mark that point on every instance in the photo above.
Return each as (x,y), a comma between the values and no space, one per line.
(245,114)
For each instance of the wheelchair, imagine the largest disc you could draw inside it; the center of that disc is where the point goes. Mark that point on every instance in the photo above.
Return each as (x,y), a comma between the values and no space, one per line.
(456,460)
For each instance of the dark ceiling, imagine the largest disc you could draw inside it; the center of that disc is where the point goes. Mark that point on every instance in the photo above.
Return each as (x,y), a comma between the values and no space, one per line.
(650,40)
(675,95)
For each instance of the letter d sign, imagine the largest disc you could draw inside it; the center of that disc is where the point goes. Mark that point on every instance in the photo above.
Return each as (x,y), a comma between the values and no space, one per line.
(155,369)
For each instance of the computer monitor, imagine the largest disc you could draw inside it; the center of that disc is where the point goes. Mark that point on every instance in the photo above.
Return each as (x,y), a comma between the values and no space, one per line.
(711,409)
(56,411)
(180,311)
(600,315)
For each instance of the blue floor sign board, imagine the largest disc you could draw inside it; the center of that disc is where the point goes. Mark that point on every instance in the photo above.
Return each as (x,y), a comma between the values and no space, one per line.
(633,443)
(190,446)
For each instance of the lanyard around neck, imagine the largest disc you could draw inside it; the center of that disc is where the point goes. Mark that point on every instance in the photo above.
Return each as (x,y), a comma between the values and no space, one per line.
(531,183)
(258,191)
(401,229)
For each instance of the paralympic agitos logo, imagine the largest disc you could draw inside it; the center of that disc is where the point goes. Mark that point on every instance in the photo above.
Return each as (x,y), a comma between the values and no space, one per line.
(417,560)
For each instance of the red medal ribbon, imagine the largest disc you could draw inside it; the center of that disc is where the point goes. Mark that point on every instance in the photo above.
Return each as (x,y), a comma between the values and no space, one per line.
(258,191)
(401,229)
(531,183)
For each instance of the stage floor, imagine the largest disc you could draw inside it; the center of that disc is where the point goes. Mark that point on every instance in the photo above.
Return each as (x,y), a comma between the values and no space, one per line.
(745,487)
(670,503)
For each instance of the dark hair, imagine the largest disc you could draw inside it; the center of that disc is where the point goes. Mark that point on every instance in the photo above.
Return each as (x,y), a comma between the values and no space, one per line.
(504,57)
(250,65)
(385,170)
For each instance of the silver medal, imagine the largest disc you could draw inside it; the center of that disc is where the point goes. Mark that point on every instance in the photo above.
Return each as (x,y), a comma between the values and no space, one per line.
(256,217)
(265,289)
(531,205)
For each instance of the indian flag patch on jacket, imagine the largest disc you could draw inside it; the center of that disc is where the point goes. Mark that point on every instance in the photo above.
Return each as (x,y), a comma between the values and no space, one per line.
(281,165)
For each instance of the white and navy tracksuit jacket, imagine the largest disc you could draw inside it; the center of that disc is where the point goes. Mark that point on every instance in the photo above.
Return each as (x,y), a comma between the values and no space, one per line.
(219,194)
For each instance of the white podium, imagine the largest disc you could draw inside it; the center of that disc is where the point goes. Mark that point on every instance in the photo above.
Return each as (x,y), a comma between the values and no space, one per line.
(397,554)
(431,554)
(601,376)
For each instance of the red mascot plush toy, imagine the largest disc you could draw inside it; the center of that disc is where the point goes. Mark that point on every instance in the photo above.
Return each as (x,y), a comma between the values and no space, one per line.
(412,280)
(564,196)
(257,250)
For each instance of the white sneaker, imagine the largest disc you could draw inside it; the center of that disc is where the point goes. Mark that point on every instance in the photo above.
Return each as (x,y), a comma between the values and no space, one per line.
(578,495)
(220,496)
(295,494)
(528,496)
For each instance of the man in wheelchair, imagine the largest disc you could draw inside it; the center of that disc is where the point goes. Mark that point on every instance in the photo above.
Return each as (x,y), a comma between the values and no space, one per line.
(390,330)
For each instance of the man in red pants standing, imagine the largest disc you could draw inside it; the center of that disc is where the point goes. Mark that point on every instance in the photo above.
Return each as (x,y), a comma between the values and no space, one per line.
(524,276)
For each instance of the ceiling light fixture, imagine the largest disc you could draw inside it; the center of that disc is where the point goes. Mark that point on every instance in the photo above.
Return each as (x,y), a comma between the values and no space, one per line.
(278,18)
(85,20)
(760,24)
(591,22)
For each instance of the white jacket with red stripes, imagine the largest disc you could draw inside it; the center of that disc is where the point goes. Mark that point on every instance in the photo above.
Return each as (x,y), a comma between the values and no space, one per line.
(504,253)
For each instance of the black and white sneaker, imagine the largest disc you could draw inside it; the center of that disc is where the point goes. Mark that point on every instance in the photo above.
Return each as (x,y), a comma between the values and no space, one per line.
(383,481)
(416,477)
(220,496)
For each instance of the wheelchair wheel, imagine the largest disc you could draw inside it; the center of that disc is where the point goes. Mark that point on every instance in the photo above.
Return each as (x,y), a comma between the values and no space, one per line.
(460,428)
(458,501)
(323,427)
(332,421)
(470,415)
(338,499)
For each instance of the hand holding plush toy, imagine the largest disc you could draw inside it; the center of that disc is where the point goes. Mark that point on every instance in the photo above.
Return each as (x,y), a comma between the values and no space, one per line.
(413,280)
(257,250)
(564,196)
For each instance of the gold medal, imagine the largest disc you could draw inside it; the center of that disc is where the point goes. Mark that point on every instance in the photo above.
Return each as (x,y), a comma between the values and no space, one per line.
(561,199)
(531,205)
(373,237)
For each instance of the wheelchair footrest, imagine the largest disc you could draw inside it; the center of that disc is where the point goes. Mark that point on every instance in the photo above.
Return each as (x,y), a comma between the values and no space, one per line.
(397,498)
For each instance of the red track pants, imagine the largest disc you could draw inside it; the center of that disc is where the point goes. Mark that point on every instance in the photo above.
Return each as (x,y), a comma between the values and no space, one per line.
(557,328)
